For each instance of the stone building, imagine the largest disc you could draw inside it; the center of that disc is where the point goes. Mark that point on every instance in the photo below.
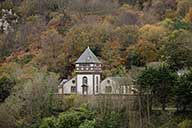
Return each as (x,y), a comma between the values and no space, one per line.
(88,79)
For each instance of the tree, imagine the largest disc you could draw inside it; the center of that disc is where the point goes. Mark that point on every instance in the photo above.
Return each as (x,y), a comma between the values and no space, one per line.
(94,6)
(128,17)
(152,33)
(176,49)
(141,53)
(183,7)
(135,59)
(80,117)
(111,53)
(52,50)
(32,99)
(127,35)
(158,82)
(183,91)
(110,120)
(188,17)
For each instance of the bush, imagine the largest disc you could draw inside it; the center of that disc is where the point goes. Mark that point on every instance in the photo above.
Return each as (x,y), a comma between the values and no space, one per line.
(186,124)
(88,124)
(48,123)
(6,84)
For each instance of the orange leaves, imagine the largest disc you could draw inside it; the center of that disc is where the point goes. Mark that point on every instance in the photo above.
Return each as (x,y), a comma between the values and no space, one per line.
(115,44)
(146,49)
(188,16)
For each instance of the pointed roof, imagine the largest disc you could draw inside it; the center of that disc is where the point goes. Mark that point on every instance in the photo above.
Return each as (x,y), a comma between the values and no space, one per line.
(88,57)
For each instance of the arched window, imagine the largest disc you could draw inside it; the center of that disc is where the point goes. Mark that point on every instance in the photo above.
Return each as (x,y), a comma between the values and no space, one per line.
(85,81)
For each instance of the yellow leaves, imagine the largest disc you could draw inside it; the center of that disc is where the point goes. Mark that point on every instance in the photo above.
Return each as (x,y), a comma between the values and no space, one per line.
(152,33)
(125,7)
(18,72)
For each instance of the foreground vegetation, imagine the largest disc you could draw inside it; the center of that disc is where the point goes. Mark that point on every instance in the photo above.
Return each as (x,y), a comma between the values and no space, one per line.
(147,39)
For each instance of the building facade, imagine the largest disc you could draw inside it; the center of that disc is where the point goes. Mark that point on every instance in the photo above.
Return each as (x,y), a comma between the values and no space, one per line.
(88,79)
(88,76)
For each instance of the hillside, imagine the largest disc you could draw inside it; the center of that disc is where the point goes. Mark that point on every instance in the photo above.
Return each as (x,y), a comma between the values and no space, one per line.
(40,40)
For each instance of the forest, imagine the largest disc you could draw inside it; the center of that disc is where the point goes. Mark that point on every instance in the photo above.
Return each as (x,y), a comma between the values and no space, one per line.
(151,40)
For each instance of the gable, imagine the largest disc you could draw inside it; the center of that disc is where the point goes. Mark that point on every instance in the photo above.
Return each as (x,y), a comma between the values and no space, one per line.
(87,57)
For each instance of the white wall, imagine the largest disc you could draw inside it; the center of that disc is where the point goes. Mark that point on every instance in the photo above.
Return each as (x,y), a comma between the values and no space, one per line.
(80,83)
(104,83)
(67,86)
(90,83)
(116,87)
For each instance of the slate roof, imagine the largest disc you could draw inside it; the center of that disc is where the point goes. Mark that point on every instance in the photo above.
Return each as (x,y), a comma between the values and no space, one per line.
(87,57)
(65,81)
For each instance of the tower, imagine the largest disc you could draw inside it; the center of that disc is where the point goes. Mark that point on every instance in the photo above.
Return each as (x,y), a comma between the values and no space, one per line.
(88,70)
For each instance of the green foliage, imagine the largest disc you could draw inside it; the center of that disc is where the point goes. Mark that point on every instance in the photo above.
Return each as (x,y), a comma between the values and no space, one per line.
(176,49)
(135,59)
(88,124)
(48,123)
(6,5)
(183,91)
(81,117)
(24,60)
(110,120)
(185,124)
(33,95)
(159,82)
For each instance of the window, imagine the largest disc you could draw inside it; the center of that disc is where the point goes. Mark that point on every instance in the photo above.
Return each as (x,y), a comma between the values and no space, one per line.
(97,80)
(126,89)
(85,80)
(97,83)
(73,89)
(108,89)
(73,81)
